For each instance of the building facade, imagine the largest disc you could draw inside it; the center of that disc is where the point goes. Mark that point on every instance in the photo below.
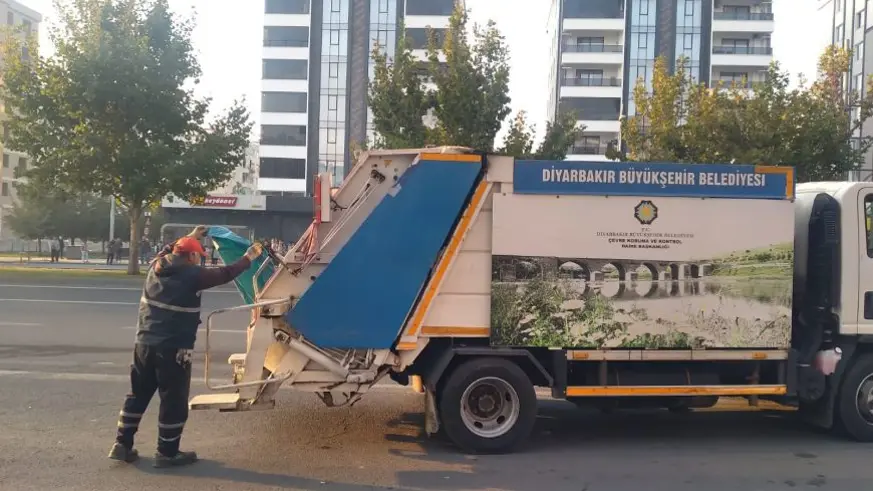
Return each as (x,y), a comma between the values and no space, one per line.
(851,28)
(601,48)
(244,180)
(26,21)
(316,69)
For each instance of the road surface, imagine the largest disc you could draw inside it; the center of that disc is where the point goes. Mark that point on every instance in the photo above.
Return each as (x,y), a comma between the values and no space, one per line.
(64,348)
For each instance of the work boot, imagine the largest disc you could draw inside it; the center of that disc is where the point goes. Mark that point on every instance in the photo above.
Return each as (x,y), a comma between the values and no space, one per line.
(181,458)
(123,454)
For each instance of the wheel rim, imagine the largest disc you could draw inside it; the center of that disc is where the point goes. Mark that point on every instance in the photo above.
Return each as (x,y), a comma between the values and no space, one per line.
(864,399)
(489,407)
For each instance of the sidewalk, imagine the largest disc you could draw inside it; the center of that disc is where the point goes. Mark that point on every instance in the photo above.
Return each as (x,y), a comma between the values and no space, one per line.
(98,264)
(45,263)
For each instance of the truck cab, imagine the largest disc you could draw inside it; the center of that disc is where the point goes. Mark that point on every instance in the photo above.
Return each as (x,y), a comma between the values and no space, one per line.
(833,291)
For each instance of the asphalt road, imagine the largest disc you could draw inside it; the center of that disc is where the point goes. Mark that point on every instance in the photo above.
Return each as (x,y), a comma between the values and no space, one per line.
(65,346)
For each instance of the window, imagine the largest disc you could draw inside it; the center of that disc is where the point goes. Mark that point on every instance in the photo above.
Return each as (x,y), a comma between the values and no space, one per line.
(22,164)
(689,8)
(429,7)
(285,69)
(5,190)
(5,133)
(287,7)
(589,78)
(644,7)
(286,36)
(333,70)
(383,6)
(589,145)
(334,5)
(859,51)
(589,40)
(285,135)
(331,135)
(277,168)
(334,38)
(6,160)
(10,18)
(332,102)
(859,84)
(27,26)
(868,219)
(417,37)
(859,19)
(688,42)
(283,102)
(643,40)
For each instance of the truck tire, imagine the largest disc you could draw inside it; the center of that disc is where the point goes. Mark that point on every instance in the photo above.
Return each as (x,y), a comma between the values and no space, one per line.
(487,405)
(855,400)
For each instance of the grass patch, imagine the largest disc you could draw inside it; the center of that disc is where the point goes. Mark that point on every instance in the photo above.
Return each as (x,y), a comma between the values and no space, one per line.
(759,271)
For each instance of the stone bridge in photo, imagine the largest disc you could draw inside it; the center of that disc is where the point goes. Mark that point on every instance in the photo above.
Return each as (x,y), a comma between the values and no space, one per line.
(596,270)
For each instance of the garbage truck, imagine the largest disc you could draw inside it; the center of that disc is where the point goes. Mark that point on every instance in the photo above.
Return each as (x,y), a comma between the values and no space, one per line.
(478,278)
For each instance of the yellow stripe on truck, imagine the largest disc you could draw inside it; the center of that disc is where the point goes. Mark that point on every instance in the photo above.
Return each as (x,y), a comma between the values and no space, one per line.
(700,390)
(451,251)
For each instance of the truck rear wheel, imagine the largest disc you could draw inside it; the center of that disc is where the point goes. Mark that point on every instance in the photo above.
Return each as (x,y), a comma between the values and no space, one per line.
(488,405)
(856,400)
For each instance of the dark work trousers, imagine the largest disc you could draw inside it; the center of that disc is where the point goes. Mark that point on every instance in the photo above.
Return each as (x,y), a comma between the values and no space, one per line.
(167,371)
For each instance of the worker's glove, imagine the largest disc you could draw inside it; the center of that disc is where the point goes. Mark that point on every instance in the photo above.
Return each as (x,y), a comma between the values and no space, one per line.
(199,232)
(254,252)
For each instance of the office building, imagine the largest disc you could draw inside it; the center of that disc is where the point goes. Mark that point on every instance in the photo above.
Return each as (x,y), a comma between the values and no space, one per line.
(851,28)
(27,22)
(316,69)
(600,48)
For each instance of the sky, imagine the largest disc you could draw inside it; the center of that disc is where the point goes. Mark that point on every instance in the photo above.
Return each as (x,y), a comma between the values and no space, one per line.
(229,38)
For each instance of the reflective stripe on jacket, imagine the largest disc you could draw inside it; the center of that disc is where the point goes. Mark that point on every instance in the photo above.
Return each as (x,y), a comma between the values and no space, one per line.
(169,309)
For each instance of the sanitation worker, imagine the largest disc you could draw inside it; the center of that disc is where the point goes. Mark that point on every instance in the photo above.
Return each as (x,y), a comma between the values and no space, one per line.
(169,314)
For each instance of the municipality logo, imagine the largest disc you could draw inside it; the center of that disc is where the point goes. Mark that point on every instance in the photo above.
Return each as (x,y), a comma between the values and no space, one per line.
(646,212)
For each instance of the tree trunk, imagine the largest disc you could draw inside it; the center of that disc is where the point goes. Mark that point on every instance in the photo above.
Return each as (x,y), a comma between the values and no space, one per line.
(134,213)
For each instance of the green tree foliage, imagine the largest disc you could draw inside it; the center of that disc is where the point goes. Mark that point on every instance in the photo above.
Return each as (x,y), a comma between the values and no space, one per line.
(113,111)
(38,214)
(470,101)
(397,98)
(808,127)
(560,136)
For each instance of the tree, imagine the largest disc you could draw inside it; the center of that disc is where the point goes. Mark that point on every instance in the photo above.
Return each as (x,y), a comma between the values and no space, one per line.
(809,127)
(113,112)
(40,213)
(559,137)
(397,98)
(469,101)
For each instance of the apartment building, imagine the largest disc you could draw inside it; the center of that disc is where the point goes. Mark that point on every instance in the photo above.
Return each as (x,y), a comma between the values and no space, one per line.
(851,28)
(27,20)
(600,48)
(316,68)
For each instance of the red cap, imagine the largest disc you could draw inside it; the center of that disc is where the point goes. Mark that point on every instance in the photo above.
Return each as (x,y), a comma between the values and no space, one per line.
(188,245)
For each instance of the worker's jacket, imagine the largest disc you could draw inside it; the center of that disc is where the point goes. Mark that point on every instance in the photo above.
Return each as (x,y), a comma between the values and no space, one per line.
(169,310)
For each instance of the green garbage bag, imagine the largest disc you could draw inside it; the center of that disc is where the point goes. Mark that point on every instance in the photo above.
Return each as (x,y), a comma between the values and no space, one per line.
(231,247)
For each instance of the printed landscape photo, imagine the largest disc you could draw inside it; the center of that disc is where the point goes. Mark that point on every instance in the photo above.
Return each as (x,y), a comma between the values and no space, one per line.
(740,300)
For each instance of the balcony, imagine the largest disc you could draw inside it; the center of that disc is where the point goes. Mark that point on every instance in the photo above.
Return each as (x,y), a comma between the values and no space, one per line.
(591,87)
(613,22)
(600,54)
(588,152)
(743,16)
(742,22)
(285,49)
(746,56)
